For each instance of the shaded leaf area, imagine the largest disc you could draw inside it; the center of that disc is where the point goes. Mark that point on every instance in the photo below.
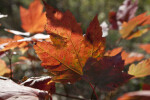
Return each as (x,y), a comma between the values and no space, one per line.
(107,74)
(41,83)
(131,29)
(3,68)
(145,47)
(68,50)
(142,69)
(125,12)
(138,95)
(33,19)
(9,90)
(127,57)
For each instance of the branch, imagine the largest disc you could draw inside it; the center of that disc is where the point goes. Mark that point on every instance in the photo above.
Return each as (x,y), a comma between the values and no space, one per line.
(68,96)
(94,91)
(10,63)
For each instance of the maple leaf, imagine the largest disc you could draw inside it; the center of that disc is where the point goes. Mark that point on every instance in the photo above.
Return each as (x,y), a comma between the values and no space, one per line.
(145,47)
(12,91)
(68,50)
(137,95)
(128,28)
(107,74)
(125,12)
(33,19)
(113,20)
(127,57)
(113,52)
(131,57)
(142,69)
(8,43)
(3,68)
(5,40)
(42,83)
(20,42)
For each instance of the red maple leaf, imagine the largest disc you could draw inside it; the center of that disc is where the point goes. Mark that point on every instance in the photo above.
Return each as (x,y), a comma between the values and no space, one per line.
(107,74)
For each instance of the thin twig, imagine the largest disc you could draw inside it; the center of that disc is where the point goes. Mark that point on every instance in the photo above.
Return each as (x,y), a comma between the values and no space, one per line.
(68,96)
(66,90)
(11,70)
(118,41)
(94,91)
(10,63)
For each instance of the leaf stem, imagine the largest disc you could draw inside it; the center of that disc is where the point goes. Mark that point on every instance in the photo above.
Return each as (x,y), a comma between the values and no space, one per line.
(93,92)
(68,96)
(93,88)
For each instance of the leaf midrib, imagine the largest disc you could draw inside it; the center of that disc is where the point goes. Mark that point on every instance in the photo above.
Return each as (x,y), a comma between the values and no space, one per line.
(60,61)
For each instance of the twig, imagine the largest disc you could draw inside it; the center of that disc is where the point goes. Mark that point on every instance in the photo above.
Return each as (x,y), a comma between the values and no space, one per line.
(11,70)
(94,91)
(118,41)
(68,96)
(66,91)
(10,63)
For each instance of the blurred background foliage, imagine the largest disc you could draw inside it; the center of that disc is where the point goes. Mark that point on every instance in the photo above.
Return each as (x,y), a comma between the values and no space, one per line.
(84,11)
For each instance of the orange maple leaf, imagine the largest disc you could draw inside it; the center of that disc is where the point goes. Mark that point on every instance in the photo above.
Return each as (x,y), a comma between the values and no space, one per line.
(3,68)
(131,57)
(66,55)
(113,52)
(130,29)
(127,57)
(8,43)
(33,19)
(145,47)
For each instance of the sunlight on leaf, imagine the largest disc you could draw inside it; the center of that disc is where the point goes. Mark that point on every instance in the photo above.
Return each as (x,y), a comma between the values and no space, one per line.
(68,50)
(130,29)
(33,19)
(142,69)
(3,68)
